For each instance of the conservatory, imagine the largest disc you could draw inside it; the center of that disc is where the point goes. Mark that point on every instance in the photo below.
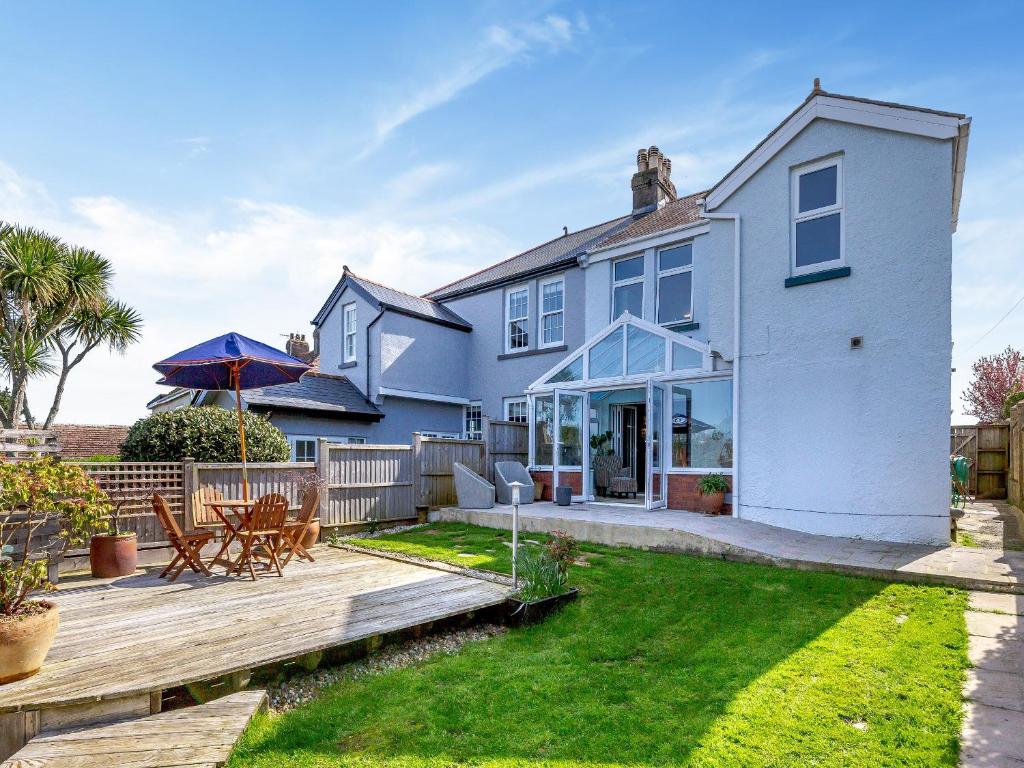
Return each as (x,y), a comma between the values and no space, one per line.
(634,416)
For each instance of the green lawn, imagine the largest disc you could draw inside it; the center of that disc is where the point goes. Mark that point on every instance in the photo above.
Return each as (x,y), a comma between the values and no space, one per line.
(664,660)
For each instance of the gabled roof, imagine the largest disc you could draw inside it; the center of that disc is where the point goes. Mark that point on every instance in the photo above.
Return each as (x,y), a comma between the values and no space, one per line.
(560,251)
(673,215)
(821,104)
(316,392)
(173,394)
(392,299)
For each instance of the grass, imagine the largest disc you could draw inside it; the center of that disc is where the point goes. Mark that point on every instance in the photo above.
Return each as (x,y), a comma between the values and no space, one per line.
(664,660)
(964,539)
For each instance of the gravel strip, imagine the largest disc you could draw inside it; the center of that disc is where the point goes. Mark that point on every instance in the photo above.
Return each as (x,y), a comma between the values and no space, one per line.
(303,688)
(384,531)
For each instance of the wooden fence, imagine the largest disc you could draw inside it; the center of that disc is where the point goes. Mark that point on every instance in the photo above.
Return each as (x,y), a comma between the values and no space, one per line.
(988,448)
(28,443)
(435,458)
(506,441)
(284,477)
(365,483)
(1015,470)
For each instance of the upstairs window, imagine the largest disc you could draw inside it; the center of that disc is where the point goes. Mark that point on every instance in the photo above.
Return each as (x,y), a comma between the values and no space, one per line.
(675,284)
(350,332)
(517,319)
(628,287)
(817,232)
(474,422)
(552,331)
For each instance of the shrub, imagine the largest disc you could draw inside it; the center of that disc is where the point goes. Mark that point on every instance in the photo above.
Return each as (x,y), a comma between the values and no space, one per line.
(711,483)
(32,495)
(562,548)
(205,434)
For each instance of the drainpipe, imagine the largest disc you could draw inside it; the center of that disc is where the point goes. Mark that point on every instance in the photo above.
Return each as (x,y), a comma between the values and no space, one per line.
(370,326)
(735,219)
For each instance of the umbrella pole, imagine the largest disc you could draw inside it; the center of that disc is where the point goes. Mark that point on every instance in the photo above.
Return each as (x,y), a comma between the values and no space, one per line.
(241,432)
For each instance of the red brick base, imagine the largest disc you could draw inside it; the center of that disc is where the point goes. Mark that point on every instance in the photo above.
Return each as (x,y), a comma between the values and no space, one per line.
(573,479)
(682,493)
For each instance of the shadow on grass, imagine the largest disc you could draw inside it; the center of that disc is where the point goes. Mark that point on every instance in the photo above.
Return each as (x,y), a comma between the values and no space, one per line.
(666,659)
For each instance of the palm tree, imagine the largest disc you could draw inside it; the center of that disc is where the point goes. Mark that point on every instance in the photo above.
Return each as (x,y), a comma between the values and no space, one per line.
(43,284)
(114,324)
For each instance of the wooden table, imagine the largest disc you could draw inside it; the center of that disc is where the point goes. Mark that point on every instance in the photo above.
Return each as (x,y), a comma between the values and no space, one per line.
(239,510)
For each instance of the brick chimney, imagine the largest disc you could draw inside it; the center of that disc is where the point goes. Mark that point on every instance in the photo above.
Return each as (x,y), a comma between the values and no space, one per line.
(297,346)
(652,185)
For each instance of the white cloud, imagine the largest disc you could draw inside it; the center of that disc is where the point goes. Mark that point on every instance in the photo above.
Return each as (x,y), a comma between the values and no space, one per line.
(500,47)
(264,275)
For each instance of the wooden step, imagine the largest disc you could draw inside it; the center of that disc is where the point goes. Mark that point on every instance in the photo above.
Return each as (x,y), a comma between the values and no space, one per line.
(200,737)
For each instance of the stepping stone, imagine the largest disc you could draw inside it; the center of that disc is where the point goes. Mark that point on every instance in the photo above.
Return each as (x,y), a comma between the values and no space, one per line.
(199,737)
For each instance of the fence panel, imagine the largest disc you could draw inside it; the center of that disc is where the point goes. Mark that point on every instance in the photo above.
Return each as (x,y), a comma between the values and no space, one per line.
(987,447)
(132,485)
(1015,470)
(365,483)
(435,459)
(507,441)
(28,443)
(284,477)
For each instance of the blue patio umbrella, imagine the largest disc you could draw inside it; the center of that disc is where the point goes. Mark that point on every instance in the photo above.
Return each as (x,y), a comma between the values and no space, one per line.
(231,361)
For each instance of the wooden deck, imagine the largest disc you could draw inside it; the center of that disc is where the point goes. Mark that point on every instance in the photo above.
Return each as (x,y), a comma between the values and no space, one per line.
(197,737)
(129,638)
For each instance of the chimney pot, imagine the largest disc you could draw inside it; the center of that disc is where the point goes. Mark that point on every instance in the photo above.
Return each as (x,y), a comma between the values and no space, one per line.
(297,346)
(641,160)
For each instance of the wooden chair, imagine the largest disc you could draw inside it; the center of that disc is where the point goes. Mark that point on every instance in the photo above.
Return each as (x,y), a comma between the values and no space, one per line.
(202,515)
(295,531)
(187,545)
(263,530)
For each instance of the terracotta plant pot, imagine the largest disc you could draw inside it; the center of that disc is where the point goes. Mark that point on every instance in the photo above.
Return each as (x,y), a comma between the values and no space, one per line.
(712,503)
(112,556)
(312,534)
(25,641)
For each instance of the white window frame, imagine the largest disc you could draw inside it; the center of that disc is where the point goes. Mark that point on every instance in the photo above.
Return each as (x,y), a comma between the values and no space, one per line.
(473,434)
(668,273)
(293,439)
(349,330)
(560,279)
(441,435)
(628,281)
(517,400)
(525,288)
(797,217)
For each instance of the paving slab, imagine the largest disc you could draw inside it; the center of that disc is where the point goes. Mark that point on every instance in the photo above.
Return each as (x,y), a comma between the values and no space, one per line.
(997,625)
(994,654)
(995,689)
(997,603)
(992,737)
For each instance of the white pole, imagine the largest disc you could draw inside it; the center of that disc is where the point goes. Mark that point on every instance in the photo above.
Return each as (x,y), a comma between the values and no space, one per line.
(515,486)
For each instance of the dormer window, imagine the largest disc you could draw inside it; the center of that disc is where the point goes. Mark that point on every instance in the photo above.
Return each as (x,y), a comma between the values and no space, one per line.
(817,225)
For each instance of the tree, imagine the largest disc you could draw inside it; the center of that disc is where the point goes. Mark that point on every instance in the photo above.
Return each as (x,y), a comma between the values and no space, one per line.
(206,434)
(113,323)
(50,290)
(996,377)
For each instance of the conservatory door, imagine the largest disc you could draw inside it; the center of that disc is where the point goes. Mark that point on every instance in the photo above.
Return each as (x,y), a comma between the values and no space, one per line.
(570,462)
(655,493)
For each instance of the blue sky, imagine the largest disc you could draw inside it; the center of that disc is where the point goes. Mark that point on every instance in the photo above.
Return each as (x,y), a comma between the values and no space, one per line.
(230,157)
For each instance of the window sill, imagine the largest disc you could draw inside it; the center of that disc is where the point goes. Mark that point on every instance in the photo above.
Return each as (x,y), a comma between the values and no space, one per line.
(818,277)
(349,364)
(682,327)
(531,352)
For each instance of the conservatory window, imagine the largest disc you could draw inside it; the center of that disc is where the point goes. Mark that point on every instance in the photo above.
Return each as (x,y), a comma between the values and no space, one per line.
(572,372)
(543,430)
(570,430)
(645,352)
(702,425)
(606,356)
(684,357)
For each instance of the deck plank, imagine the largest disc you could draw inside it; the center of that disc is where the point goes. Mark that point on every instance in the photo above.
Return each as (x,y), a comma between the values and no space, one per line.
(139,634)
(199,736)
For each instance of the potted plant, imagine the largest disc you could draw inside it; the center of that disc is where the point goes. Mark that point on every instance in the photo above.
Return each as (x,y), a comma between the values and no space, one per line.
(712,488)
(116,552)
(545,583)
(45,507)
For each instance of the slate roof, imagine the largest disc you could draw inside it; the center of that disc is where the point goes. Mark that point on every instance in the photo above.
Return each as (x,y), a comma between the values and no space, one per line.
(390,298)
(558,251)
(316,392)
(673,215)
(80,441)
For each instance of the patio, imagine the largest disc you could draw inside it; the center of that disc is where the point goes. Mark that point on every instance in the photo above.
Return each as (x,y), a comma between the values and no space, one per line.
(993,570)
(122,642)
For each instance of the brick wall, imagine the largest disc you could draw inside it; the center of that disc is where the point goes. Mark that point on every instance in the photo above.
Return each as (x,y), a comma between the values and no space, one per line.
(682,493)
(573,479)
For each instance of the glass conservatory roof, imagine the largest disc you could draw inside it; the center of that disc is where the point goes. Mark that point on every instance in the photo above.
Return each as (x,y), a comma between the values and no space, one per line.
(629,349)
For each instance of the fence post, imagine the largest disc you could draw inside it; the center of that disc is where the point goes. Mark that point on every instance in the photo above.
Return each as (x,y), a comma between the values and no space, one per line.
(323,459)
(485,429)
(188,487)
(417,469)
